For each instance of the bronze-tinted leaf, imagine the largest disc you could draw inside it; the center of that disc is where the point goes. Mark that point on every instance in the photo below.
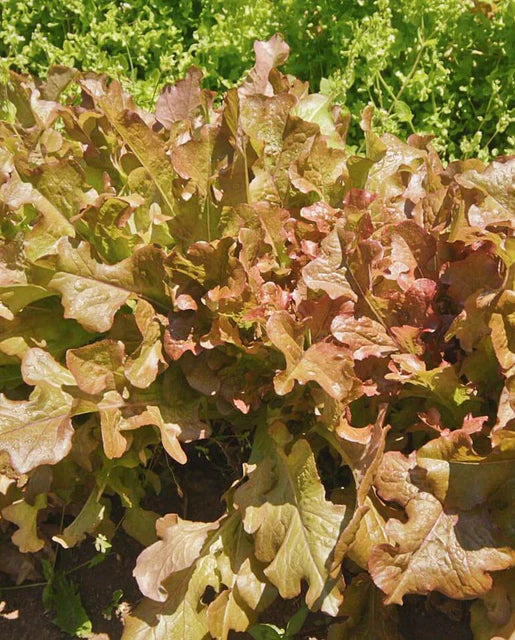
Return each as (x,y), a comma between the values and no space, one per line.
(38,430)
(328,273)
(181,101)
(294,527)
(323,362)
(93,292)
(438,550)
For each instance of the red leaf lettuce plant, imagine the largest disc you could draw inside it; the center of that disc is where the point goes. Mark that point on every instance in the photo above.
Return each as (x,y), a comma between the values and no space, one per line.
(162,273)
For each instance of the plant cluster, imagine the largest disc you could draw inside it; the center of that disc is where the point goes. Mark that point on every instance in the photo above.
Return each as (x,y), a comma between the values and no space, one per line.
(168,275)
(439,66)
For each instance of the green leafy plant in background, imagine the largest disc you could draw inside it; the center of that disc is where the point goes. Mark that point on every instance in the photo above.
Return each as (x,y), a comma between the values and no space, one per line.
(61,596)
(266,631)
(112,607)
(233,266)
(444,67)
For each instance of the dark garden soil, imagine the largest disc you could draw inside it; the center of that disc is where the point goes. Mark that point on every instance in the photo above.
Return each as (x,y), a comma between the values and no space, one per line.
(23,616)
(96,586)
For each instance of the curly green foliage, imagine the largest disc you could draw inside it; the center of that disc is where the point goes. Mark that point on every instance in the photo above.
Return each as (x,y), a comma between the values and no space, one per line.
(439,66)
(141,43)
